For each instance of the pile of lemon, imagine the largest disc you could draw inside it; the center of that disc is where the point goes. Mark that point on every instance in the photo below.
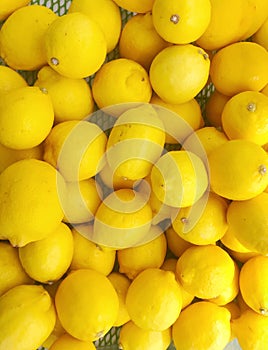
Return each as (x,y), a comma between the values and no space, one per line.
(125,202)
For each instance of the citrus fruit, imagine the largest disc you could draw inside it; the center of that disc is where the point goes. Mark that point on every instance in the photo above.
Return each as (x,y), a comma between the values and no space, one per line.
(189,63)
(91,315)
(154,299)
(67,342)
(10,79)
(175,243)
(260,36)
(136,5)
(213,108)
(22,37)
(26,117)
(235,177)
(230,241)
(30,207)
(75,45)
(183,22)
(259,10)
(8,7)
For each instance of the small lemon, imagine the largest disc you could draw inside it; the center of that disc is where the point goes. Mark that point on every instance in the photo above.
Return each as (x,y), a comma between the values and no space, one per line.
(67,342)
(87,304)
(10,79)
(176,244)
(22,37)
(213,108)
(136,5)
(8,7)
(26,117)
(75,45)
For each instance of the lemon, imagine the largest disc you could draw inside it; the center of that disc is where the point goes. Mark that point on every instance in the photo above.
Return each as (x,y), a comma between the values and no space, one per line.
(139,41)
(136,5)
(244,116)
(202,325)
(10,79)
(71,98)
(22,37)
(176,244)
(135,142)
(11,271)
(205,271)
(230,241)
(154,299)
(48,259)
(213,108)
(259,10)
(106,14)
(235,177)
(8,7)
(133,260)
(76,148)
(30,207)
(209,227)
(121,81)
(179,178)
(260,36)
(88,255)
(132,337)
(121,284)
(190,65)
(26,117)
(122,220)
(27,317)
(67,342)
(75,45)
(87,304)
(183,22)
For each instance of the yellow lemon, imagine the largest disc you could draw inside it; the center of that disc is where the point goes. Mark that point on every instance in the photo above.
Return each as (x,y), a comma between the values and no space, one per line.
(213,108)
(75,45)
(238,67)
(8,7)
(133,260)
(205,271)
(209,227)
(139,41)
(259,10)
(11,271)
(244,116)
(179,178)
(154,299)
(22,37)
(196,327)
(89,255)
(136,5)
(175,243)
(132,337)
(48,259)
(189,63)
(121,81)
(121,284)
(235,177)
(10,79)
(67,342)
(76,148)
(255,292)
(20,307)
(26,117)
(230,241)
(30,205)
(181,22)
(71,98)
(106,14)
(87,304)
(260,36)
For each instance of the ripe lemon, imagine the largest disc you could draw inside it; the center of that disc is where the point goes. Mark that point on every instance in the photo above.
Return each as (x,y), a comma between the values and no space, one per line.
(11,271)
(22,37)
(10,79)
(230,241)
(238,67)
(259,10)
(154,299)
(136,5)
(209,227)
(20,307)
(87,304)
(76,148)
(176,244)
(122,220)
(181,22)
(188,63)
(244,116)
(179,178)
(75,45)
(196,327)
(88,255)
(121,81)
(132,337)
(260,36)
(133,260)
(205,271)
(67,342)
(135,142)
(7,7)
(139,41)
(71,98)
(121,284)
(30,207)
(255,293)
(48,259)
(106,14)
(235,177)
(26,117)
(213,108)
